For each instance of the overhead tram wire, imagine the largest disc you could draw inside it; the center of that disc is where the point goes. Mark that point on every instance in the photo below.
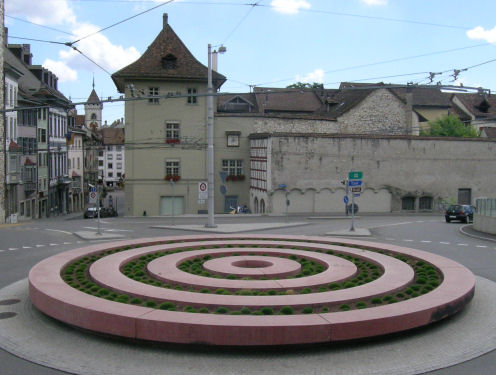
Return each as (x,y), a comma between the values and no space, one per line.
(122,21)
(39,25)
(242,20)
(385,62)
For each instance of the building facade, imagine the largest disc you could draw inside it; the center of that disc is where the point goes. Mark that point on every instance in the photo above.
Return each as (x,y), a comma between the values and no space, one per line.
(277,145)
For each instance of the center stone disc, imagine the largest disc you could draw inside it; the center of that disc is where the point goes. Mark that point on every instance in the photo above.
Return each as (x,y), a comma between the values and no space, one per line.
(253,266)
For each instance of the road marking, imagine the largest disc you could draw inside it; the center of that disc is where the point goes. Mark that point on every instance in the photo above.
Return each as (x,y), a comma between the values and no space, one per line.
(1,251)
(426,241)
(462,244)
(57,230)
(408,240)
(390,225)
(13,248)
(80,242)
(444,243)
(27,247)
(481,246)
(40,245)
(67,243)
(54,244)
(419,221)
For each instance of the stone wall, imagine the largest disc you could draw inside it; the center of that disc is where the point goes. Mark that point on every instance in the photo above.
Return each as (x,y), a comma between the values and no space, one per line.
(379,113)
(291,125)
(393,166)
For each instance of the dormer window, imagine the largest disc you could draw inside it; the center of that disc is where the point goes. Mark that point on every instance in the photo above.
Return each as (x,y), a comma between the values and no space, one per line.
(169,62)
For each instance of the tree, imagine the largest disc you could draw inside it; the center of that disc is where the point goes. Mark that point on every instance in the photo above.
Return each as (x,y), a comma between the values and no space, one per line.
(449,126)
(305,85)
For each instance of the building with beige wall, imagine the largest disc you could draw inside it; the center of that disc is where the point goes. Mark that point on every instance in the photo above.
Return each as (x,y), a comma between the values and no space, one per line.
(165,139)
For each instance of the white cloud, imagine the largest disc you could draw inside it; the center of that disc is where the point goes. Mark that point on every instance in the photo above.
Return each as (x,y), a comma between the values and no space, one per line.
(61,70)
(46,12)
(316,76)
(480,33)
(289,6)
(99,49)
(374,2)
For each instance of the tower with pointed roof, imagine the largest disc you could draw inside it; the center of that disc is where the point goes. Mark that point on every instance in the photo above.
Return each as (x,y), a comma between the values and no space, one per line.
(167,127)
(93,110)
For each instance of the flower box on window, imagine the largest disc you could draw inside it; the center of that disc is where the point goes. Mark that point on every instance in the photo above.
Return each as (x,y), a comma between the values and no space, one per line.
(172,177)
(234,177)
(172,140)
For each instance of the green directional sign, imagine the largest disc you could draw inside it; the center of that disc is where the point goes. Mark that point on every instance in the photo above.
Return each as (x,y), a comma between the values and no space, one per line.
(355,175)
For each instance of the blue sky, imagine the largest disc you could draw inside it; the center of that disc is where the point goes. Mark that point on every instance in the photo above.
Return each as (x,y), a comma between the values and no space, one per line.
(275,43)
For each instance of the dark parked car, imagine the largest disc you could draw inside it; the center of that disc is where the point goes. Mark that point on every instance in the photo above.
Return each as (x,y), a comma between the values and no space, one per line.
(91,213)
(462,212)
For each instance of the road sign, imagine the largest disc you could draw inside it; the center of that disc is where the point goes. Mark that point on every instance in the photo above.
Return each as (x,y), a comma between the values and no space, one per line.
(93,188)
(282,186)
(92,197)
(345,199)
(201,201)
(202,190)
(354,182)
(356,189)
(355,175)
(356,194)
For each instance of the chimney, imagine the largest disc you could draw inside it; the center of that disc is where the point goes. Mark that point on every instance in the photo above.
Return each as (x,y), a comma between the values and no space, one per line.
(165,18)
(26,54)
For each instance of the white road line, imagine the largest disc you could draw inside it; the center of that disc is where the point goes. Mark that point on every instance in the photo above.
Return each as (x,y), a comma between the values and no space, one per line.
(484,246)
(67,243)
(462,244)
(419,221)
(1,251)
(40,245)
(426,241)
(54,244)
(80,242)
(27,247)
(445,243)
(13,248)
(390,225)
(408,240)
(57,230)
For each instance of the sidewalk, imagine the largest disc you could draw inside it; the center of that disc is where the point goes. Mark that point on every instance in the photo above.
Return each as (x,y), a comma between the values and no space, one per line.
(469,230)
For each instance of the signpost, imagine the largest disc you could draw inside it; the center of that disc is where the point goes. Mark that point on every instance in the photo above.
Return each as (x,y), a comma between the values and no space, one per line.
(355,182)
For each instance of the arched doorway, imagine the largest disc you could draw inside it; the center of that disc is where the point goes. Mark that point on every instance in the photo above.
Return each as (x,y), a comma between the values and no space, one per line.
(255,205)
(262,206)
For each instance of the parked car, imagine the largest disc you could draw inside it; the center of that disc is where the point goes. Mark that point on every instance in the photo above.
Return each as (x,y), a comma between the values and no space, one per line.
(91,213)
(108,212)
(462,212)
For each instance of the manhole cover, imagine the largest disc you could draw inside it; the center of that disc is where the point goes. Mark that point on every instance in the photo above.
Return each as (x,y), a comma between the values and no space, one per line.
(7,315)
(6,302)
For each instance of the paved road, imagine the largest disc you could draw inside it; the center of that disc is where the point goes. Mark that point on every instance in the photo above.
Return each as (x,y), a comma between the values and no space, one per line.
(23,245)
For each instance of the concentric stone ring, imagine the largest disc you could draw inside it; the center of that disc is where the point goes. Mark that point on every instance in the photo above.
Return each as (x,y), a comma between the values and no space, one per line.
(249,289)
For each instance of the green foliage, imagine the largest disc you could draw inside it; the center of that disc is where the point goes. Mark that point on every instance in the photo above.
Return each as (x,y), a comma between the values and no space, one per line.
(305,85)
(449,126)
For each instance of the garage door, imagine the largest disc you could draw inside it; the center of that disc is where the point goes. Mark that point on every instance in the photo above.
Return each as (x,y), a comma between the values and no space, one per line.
(171,206)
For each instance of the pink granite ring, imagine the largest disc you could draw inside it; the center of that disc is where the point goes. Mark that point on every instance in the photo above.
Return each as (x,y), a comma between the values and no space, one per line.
(311,318)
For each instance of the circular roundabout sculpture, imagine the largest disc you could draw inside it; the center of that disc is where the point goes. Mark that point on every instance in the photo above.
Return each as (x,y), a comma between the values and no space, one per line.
(249,290)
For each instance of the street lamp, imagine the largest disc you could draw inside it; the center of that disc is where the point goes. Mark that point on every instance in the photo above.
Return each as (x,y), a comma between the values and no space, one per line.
(210,139)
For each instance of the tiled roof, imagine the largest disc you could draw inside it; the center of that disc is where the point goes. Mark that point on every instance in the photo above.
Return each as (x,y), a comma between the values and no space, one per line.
(167,58)
(112,136)
(481,107)
(93,98)
(286,100)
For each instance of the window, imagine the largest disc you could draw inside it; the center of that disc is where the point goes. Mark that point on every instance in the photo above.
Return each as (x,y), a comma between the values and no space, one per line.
(119,174)
(79,162)
(100,153)
(110,166)
(425,203)
(153,91)
(110,174)
(118,148)
(408,203)
(172,132)
(169,62)
(119,165)
(119,156)
(233,139)
(100,163)
(192,96)
(109,148)
(69,163)
(233,167)
(110,156)
(93,116)
(172,168)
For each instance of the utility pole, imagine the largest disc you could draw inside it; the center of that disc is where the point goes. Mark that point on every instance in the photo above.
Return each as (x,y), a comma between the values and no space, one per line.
(210,140)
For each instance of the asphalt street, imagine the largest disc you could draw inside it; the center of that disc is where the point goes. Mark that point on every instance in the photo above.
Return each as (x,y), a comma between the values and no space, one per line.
(23,245)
